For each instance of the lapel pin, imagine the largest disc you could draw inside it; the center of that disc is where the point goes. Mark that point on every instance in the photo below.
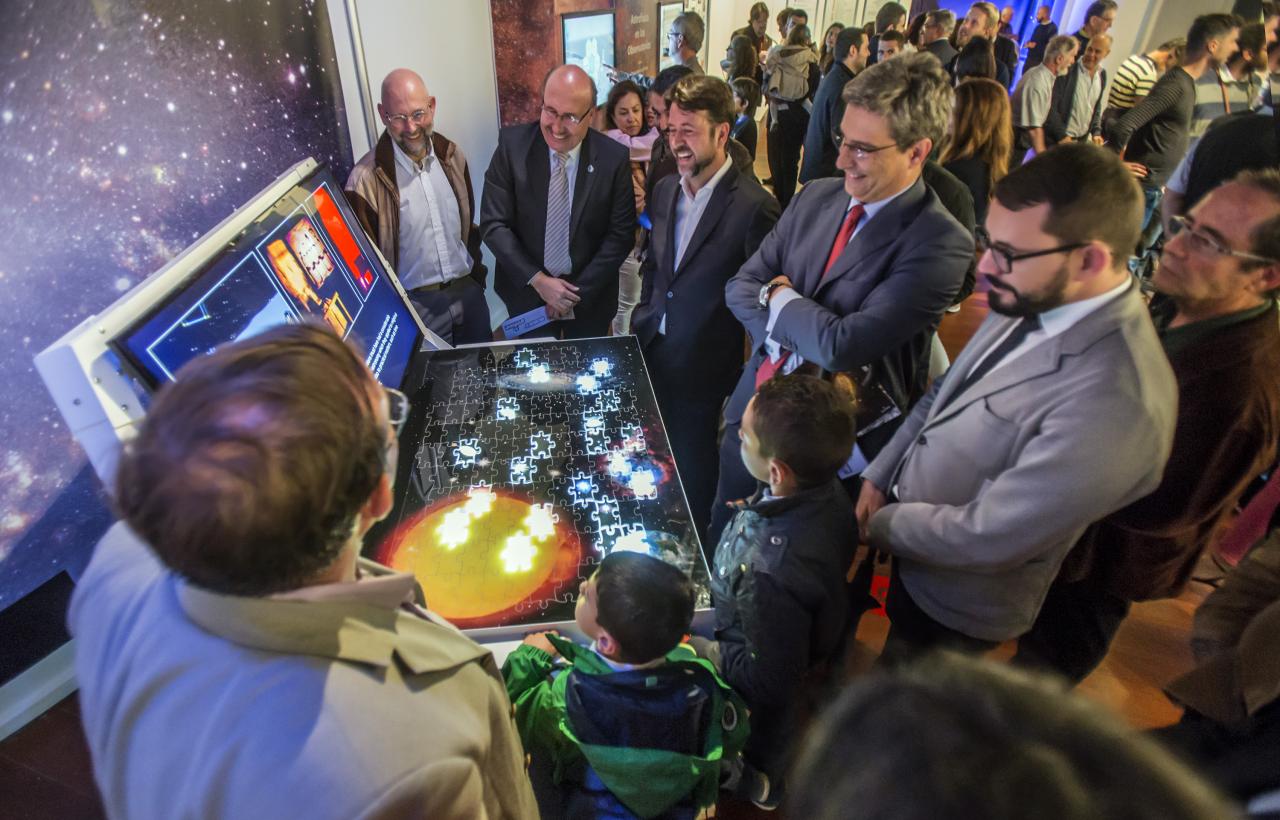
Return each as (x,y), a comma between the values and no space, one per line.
(591,169)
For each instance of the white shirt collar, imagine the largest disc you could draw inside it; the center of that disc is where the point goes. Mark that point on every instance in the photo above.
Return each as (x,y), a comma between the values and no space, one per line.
(406,162)
(1060,319)
(574,153)
(705,190)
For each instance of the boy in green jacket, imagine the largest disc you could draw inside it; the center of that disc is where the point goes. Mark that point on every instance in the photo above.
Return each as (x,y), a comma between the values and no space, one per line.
(636,724)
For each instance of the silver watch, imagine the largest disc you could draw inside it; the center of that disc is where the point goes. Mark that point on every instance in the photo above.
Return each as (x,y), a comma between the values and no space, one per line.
(766,289)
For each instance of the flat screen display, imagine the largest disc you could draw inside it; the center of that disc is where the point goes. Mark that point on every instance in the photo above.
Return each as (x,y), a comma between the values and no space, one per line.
(520,468)
(304,257)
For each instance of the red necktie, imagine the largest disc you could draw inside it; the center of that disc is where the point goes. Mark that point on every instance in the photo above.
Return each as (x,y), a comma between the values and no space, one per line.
(769,368)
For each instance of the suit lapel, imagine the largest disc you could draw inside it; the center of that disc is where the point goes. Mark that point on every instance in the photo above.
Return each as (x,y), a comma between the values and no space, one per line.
(1040,360)
(667,260)
(829,216)
(883,228)
(582,186)
(711,214)
(538,161)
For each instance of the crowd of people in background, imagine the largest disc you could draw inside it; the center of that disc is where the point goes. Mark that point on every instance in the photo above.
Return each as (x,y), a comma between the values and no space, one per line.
(1082,453)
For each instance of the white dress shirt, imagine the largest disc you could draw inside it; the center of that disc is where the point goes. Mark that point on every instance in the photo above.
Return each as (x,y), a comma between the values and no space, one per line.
(1088,92)
(431,248)
(690,207)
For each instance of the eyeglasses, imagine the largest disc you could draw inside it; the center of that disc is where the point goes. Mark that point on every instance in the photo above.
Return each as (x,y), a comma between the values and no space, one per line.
(570,120)
(1006,256)
(1202,242)
(417,118)
(860,149)
(397,409)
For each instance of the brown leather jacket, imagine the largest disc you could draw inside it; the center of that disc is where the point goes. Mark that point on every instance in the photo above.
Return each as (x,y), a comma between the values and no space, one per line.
(374,196)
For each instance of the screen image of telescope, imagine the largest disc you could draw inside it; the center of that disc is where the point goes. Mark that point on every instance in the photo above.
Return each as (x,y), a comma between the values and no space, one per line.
(300,260)
(521,467)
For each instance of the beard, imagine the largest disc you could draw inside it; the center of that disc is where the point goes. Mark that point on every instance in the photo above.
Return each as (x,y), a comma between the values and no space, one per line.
(1019,304)
(413,144)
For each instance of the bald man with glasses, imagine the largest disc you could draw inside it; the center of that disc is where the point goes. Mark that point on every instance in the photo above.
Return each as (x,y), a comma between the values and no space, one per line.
(559,213)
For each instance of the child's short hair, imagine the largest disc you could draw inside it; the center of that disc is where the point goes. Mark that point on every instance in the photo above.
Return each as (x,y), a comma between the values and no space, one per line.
(807,424)
(748,90)
(645,603)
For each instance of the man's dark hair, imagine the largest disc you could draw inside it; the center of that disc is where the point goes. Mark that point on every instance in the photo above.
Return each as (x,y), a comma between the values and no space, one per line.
(807,424)
(952,736)
(801,14)
(888,15)
(616,94)
(1098,8)
(893,37)
(757,10)
(783,17)
(645,603)
(667,78)
(1102,202)
(749,90)
(848,41)
(703,93)
(1253,38)
(1264,239)
(249,470)
(1208,27)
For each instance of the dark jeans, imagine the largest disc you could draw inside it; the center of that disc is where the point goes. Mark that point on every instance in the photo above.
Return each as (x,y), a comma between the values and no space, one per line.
(913,633)
(786,138)
(456,313)
(1074,629)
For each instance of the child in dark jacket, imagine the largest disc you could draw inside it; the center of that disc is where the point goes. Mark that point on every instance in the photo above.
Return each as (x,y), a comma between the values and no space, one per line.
(637,725)
(778,584)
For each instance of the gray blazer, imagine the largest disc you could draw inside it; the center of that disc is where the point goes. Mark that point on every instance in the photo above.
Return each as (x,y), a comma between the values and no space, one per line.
(995,487)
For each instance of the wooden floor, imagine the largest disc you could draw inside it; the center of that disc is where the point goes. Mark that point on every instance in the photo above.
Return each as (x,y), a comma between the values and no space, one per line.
(45,773)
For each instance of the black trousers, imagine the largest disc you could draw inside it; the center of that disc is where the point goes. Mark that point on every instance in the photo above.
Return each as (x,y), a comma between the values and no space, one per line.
(786,138)
(913,633)
(456,313)
(1074,629)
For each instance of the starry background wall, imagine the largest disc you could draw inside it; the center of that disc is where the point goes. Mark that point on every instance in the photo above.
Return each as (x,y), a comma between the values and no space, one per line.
(128,128)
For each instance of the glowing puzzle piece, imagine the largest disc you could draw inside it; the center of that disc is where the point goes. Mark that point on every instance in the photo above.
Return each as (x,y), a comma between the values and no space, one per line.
(455,529)
(540,523)
(583,489)
(597,443)
(606,401)
(508,408)
(591,423)
(522,470)
(633,438)
(523,357)
(633,540)
(608,522)
(619,465)
(479,501)
(642,483)
(539,374)
(518,554)
(601,367)
(466,453)
(541,444)
(588,384)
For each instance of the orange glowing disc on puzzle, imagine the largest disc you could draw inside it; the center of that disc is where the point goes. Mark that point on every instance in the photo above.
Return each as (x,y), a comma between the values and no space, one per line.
(483,557)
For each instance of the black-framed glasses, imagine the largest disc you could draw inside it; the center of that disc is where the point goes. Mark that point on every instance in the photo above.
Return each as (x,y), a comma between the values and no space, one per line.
(860,149)
(397,409)
(570,120)
(1006,256)
(417,118)
(1206,244)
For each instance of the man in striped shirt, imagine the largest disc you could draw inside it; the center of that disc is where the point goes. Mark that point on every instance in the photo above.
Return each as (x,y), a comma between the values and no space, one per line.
(1234,86)
(1136,75)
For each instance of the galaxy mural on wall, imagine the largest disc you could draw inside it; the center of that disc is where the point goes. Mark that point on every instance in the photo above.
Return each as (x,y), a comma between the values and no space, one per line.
(128,128)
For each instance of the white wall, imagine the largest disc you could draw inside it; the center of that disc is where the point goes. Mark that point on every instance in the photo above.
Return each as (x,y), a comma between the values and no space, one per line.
(451,45)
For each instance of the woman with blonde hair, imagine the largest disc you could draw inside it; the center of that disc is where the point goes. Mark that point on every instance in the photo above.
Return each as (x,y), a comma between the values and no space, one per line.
(981,141)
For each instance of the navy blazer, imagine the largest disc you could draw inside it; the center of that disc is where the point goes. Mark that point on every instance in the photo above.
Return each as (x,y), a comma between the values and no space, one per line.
(877,305)
(700,327)
(513,222)
(828,108)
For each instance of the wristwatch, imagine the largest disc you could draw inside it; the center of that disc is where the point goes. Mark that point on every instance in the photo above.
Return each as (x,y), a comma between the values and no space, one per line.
(766,290)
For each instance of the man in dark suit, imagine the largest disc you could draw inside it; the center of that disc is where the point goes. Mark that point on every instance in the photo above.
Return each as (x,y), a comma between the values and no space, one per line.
(707,221)
(1078,97)
(936,33)
(558,212)
(850,56)
(856,275)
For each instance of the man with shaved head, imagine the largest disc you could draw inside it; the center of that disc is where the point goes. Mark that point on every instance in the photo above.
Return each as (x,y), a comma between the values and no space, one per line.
(413,195)
(559,213)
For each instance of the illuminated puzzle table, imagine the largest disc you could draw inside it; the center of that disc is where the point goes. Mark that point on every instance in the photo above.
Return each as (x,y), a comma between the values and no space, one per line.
(521,466)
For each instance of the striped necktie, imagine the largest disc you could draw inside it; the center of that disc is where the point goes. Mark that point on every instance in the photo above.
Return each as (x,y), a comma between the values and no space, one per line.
(555,254)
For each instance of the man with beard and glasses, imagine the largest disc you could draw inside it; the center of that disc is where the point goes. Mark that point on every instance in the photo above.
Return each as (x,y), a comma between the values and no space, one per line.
(1058,412)
(412,193)
(707,222)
